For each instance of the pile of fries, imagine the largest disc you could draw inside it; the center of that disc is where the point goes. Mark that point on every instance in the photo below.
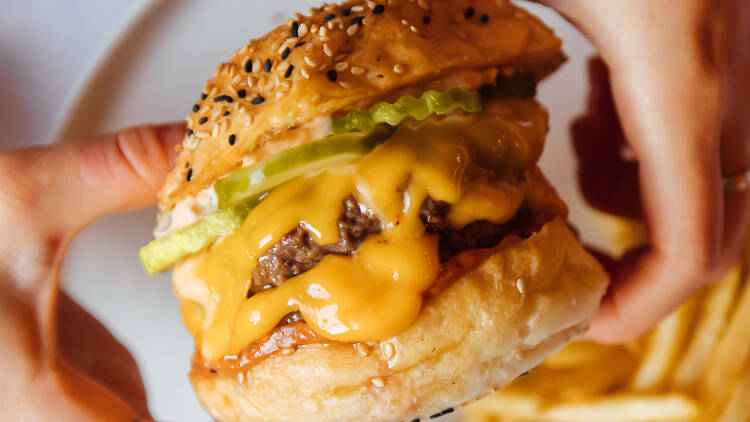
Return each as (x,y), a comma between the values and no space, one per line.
(694,366)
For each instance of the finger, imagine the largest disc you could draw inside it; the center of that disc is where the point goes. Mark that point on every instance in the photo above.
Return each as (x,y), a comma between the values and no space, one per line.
(66,186)
(608,182)
(682,197)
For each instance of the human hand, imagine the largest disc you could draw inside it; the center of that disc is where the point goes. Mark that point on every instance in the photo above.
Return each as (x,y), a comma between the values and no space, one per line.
(58,362)
(677,93)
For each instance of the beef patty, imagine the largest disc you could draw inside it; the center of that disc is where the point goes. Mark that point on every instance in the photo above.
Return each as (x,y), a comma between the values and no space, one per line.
(297,252)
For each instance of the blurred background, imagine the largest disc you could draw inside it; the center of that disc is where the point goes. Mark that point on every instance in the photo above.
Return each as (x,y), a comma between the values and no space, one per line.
(81,67)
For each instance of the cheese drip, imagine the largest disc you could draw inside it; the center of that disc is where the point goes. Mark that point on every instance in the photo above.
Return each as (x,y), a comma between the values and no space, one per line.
(475,162)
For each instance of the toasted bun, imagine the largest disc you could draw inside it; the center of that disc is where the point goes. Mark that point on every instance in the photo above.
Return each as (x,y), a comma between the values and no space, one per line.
(492,324)
(393,49)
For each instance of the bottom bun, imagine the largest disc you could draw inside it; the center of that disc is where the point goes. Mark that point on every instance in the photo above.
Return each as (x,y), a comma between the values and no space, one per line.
(491,325)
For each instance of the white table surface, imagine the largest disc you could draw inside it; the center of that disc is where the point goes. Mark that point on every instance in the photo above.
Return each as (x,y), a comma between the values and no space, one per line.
(47,48)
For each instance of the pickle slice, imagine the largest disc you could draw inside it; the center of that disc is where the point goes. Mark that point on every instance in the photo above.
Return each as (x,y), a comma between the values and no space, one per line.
(162,253)
(431,102)
(279,168)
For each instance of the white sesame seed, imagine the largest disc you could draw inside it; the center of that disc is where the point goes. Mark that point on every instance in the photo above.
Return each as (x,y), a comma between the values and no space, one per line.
(240,377)
(256,66)
(388,349)
(368,20)
(361,349)
(340,24)
(404,22)
(287,351)
(215,131)
(277,81)
(371,4)
(327,50)
(377,382)
(358,9)
(302,31)
(213,91)
(190,142)
(356,70)
(203,109)
(340,57)
(309,46)
(215,113)
(398,68)
(330,24)
(520,285)
(310,62)
(305,74)
(290,41)
(414,29)
(345,84)
(236,79)
(313,28)
(279,94)
(281,48)
(352,29)
(285,84)
(341,66)
(423,4)
(202,134)
(289,22)
(322,31)
(316,98)
(322,67)
(249,82)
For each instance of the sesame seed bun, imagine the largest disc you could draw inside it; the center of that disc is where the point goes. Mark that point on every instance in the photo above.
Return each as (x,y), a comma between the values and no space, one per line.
(524,303)
(288,77)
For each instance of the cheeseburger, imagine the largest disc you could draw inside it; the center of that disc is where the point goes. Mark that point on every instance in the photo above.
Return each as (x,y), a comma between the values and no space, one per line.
(356,221)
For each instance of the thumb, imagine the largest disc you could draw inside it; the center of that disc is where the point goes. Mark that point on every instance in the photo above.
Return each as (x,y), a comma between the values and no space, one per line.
(67,186)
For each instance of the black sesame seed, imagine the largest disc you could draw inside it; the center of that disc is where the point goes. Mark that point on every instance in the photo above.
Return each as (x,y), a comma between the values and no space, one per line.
(415,420)
(226,113)
(524,235)
(241,93)
(187,164)
(289,70)
(203,95)
(426,20)
(285,53)
(346,12)
(329,17)
(232,138)
(196,107)
(378,9)
(525,373)
(189,176)
(444,412)
(203,119)
(469,12)
(267,65)
(189,132)
(249,66)
(221,98)
(299,44)
(332,75)
(357,19)
(213,371)
(257,100)
(295,29)
(484,18)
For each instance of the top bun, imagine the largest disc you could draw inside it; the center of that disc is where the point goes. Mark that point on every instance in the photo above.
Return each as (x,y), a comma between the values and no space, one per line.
(288,77)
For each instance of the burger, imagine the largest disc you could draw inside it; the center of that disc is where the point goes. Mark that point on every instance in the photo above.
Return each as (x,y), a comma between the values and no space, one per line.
(356,223)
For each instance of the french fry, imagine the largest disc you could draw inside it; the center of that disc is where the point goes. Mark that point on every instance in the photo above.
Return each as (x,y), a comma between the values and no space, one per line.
(625,408)
(708,330)
(662,350)
(738,408)
(732,352)
(508,405)
(579,354)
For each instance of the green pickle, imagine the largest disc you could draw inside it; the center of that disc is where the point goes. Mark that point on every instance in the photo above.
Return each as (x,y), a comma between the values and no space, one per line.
(286,165)
(162,253)
(431,102)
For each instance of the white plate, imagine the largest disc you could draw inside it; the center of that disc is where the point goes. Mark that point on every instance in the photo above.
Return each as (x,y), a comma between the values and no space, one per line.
(154,73)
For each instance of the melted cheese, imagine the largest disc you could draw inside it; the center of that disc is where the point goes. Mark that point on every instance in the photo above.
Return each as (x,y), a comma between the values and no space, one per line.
(475,162)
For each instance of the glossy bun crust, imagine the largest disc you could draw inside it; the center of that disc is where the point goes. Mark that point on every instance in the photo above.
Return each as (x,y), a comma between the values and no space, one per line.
(360,52)
(491,325)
